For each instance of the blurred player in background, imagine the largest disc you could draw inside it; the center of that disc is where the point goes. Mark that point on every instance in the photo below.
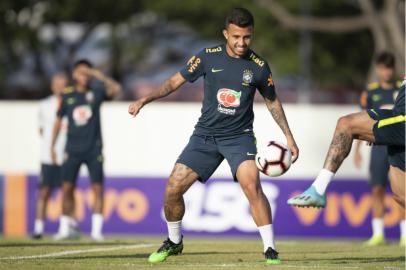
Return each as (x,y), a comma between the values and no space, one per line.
(381,127)
(380,95)
(50,172)
(81,105)
(232,74)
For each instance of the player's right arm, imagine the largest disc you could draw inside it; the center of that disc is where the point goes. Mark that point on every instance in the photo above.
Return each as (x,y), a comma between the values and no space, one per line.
(193,69)
(167,87)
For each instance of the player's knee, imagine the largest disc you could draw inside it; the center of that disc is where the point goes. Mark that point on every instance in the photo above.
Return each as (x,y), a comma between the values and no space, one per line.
(400,199)
(344,123)
(252,189)
(97,190)
(67,188)
(43,194)
(173,191)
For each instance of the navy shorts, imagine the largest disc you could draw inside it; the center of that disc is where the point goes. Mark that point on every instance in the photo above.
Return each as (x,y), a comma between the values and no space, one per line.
(50,176)
(203,154)
(93,161)
(389,130)
(379,166)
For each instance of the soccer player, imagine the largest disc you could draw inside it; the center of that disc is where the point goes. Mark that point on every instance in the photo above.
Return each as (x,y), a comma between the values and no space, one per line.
(381,127)
(380,95)
(232,72)
(81,104)
(50,173)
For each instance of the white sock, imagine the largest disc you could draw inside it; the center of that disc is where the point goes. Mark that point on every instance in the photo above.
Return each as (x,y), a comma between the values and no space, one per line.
(266,233)
(377,226)
(97,224)
(175,231)
(39,226)
(64,225)
(402,225)
(323,179)
(72,222)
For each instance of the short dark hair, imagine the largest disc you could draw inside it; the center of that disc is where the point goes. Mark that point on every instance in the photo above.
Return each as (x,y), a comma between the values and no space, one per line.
(240,17)
(82,62)
(385,58)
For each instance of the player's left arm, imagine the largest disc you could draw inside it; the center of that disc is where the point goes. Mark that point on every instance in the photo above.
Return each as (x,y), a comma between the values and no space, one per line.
(266,87)
(113,88)
(275,108)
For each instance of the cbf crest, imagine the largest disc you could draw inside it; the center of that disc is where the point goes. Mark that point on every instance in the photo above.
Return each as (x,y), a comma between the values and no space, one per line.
(247,77)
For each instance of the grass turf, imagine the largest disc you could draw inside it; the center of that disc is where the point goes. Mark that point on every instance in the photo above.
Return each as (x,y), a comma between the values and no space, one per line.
(199,253)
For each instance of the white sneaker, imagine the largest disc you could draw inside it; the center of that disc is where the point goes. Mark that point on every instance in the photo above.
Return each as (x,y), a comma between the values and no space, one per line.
(73,233)
(97,237)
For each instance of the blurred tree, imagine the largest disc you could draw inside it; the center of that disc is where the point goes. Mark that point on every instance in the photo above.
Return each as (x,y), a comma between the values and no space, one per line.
(341,49)
(383,19)
(21,21)
(339,41)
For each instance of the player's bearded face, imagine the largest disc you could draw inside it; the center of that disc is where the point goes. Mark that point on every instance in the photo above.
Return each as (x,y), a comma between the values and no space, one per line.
(238,39)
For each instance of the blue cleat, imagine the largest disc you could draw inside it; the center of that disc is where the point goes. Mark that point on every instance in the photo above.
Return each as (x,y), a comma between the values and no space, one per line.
(309,198)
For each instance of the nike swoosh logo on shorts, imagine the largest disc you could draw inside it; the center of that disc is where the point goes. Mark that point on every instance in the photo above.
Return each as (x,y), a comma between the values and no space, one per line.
(216,70)
(250,154)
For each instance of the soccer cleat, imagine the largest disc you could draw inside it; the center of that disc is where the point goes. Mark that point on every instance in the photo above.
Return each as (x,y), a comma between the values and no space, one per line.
(36,236)
(167,249)
(97,237)
(73,233)
(271,256)
(309,198)
(375,240)
(402,241)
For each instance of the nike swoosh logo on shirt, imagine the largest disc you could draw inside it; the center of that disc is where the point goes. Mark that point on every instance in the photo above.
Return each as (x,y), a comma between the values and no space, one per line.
(216,70)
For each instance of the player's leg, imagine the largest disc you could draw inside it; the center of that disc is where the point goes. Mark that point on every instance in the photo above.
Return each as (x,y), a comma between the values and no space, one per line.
(94,163)
(240,154)
(378,179)
(402,227)
(396,155)
(180,180)
(44,190)
(396,158)
(378,210)
(397,181)
(353,126)
(68,228)
(247,175)
(68,200)
(43,195)
(198,161)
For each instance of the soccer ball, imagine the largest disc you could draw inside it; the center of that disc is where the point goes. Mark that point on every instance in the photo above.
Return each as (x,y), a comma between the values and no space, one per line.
(274,159)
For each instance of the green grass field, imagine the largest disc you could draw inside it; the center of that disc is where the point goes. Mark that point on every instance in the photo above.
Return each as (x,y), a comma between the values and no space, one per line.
(199,253)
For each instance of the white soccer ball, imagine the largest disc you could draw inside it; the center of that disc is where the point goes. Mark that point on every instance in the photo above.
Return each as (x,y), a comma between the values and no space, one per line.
(274,159)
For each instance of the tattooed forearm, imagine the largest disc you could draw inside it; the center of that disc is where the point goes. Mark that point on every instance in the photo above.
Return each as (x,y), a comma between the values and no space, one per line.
(275,108)
(339,149)
(164,90)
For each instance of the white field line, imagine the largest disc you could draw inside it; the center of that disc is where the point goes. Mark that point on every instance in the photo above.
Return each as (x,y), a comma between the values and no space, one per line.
(279,266)
(78,251)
